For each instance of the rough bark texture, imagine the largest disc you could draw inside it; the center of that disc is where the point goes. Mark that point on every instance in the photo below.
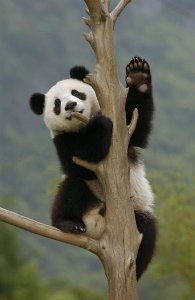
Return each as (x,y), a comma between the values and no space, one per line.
(120,242)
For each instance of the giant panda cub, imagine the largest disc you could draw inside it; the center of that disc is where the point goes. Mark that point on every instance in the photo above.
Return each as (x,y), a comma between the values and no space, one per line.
(78,206)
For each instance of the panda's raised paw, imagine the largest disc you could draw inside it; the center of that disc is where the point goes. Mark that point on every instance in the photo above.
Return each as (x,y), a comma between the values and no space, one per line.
(138,74)
(138,64)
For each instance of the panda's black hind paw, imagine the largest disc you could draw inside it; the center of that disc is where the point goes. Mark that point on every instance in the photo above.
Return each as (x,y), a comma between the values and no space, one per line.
(79,228)
(138,74)
(73,226)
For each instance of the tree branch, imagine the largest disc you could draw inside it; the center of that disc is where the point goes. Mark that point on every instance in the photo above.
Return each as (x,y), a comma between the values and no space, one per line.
(80,117)
(95,10)
(48,231)
(85,164)
(131,127)
(118,9)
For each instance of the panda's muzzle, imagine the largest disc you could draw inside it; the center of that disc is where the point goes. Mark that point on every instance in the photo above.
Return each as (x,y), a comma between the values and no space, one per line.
(70,105)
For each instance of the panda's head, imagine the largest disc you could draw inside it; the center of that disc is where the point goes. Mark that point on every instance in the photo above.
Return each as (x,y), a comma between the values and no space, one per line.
(64,98)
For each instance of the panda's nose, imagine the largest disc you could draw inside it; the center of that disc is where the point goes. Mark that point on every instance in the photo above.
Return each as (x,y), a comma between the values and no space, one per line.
(70,105)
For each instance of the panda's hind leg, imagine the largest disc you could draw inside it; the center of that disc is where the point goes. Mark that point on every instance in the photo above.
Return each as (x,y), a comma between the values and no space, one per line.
(74,200)
(138,80)
(69,225)
(146,224)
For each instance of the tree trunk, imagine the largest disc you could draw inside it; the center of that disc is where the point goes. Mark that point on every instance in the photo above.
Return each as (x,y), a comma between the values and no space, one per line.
(120,242)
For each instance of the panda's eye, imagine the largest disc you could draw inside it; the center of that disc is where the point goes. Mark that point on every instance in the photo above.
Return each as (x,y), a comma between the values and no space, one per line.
(75,93)
(57,106)
(79,95)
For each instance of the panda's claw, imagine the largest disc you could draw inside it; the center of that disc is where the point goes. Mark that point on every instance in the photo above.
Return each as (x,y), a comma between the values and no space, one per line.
(79,228)
(146,66)
(131,66)
(140,64)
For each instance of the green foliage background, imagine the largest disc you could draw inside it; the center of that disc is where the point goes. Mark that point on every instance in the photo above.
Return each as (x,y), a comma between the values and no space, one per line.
(39,42)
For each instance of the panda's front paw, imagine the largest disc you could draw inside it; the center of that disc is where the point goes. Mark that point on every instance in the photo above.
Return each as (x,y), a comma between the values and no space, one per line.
(138,74)
(100,128)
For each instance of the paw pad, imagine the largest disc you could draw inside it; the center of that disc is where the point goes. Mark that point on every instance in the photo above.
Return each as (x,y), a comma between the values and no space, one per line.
(138,64)
(138,74)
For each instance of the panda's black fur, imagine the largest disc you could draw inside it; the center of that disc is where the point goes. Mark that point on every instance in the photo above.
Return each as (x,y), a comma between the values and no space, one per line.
(78,205)
(90,143)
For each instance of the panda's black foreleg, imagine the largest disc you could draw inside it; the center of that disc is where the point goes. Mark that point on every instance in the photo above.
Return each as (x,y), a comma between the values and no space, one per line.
(95,139)
(146,224)
(138,79)
(72,201)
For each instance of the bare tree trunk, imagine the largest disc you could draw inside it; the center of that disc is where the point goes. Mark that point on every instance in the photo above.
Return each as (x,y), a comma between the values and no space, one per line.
(118,246)
(120,242)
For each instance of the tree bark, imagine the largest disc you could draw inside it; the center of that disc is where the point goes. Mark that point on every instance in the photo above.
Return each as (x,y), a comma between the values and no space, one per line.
(120,242)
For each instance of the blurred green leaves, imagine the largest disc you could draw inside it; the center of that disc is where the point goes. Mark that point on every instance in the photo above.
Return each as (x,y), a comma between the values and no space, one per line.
(19,278)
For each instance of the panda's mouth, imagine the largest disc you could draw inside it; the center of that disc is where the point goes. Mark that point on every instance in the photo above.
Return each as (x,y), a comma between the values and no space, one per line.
(70,117)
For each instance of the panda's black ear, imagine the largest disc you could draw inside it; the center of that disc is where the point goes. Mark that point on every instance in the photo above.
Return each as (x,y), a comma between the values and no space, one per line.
(78,72)
(37,101)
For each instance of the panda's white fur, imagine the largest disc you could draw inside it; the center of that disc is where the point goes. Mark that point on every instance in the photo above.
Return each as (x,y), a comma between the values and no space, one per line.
(141,192)
(94,222)
(62,90)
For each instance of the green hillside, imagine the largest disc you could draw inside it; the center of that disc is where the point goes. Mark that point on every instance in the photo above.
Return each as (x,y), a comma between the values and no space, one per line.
(39,42)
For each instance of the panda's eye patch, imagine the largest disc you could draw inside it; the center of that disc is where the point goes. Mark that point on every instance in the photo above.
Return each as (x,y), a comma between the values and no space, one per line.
(79,95)
(57,107)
